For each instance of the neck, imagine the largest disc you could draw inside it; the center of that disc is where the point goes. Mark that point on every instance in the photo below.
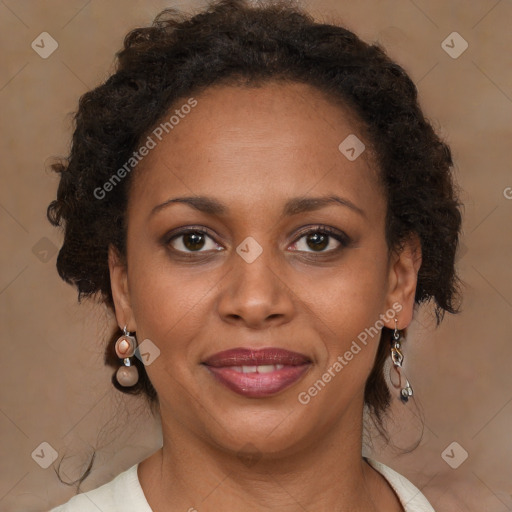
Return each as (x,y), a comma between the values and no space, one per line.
(324,473)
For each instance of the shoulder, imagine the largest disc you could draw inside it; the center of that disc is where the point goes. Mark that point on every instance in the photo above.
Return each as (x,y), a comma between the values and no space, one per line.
(122,493)
(410,496)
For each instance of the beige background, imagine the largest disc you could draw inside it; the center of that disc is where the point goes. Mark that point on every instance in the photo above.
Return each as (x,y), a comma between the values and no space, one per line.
(54,387)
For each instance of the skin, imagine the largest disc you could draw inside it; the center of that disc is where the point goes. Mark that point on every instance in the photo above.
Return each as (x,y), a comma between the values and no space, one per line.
(253,149)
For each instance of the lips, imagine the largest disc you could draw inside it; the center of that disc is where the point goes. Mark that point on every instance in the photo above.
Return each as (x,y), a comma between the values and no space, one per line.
(249,357)
(257,373)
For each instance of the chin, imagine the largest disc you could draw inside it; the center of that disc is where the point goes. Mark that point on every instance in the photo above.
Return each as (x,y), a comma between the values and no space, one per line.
(273,433)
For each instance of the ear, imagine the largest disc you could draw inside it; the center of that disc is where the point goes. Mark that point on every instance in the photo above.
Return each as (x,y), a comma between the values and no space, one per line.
(402,279)
(120,291)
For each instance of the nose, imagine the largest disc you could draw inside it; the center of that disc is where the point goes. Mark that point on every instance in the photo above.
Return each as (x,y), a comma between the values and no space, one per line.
(255,294)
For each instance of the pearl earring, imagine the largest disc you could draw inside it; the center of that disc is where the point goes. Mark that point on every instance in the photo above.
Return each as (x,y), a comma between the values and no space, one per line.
(127,375)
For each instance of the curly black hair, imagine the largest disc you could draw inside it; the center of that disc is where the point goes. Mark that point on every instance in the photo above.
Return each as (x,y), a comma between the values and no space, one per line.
(237,43)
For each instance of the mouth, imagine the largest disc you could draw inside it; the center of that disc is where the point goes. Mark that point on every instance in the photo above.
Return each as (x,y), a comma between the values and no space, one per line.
(257,373)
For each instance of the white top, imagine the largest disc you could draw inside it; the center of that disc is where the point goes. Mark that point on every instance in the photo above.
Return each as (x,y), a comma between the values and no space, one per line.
(124,494)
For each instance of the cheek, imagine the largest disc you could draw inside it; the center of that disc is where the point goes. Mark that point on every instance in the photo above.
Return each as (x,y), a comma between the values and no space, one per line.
(166,300)
(354,294)
(350,344)
(170,309)
(348,314)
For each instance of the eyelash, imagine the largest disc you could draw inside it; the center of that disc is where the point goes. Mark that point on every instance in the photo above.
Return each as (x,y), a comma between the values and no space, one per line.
(341,237)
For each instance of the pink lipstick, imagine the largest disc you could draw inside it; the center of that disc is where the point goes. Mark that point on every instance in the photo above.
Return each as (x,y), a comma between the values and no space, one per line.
(257,373)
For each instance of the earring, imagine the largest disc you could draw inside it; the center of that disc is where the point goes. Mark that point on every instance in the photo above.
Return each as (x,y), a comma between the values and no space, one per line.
(127,375)
(397,358)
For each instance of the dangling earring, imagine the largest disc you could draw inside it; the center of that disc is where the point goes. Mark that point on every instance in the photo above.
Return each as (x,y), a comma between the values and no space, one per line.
(127,375)
(397,358)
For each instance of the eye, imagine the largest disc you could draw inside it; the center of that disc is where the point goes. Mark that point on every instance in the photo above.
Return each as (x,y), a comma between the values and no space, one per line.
(192,240)
(320,238)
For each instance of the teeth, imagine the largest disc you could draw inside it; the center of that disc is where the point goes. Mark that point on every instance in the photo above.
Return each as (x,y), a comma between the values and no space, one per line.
(263,368)
(266,368)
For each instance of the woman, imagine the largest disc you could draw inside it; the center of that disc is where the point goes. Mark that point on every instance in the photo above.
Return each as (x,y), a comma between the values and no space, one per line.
(260,200)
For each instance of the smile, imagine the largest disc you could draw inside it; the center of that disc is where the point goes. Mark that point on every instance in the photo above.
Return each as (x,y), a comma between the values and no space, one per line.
(257,373)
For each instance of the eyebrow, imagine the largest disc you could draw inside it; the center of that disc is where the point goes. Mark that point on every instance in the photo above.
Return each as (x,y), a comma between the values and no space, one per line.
(293,206)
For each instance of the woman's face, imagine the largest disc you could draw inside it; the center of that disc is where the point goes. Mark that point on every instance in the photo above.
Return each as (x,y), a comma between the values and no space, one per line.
(264,274)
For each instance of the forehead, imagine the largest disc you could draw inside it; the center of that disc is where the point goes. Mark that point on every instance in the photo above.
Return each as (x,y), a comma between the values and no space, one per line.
(240,142)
